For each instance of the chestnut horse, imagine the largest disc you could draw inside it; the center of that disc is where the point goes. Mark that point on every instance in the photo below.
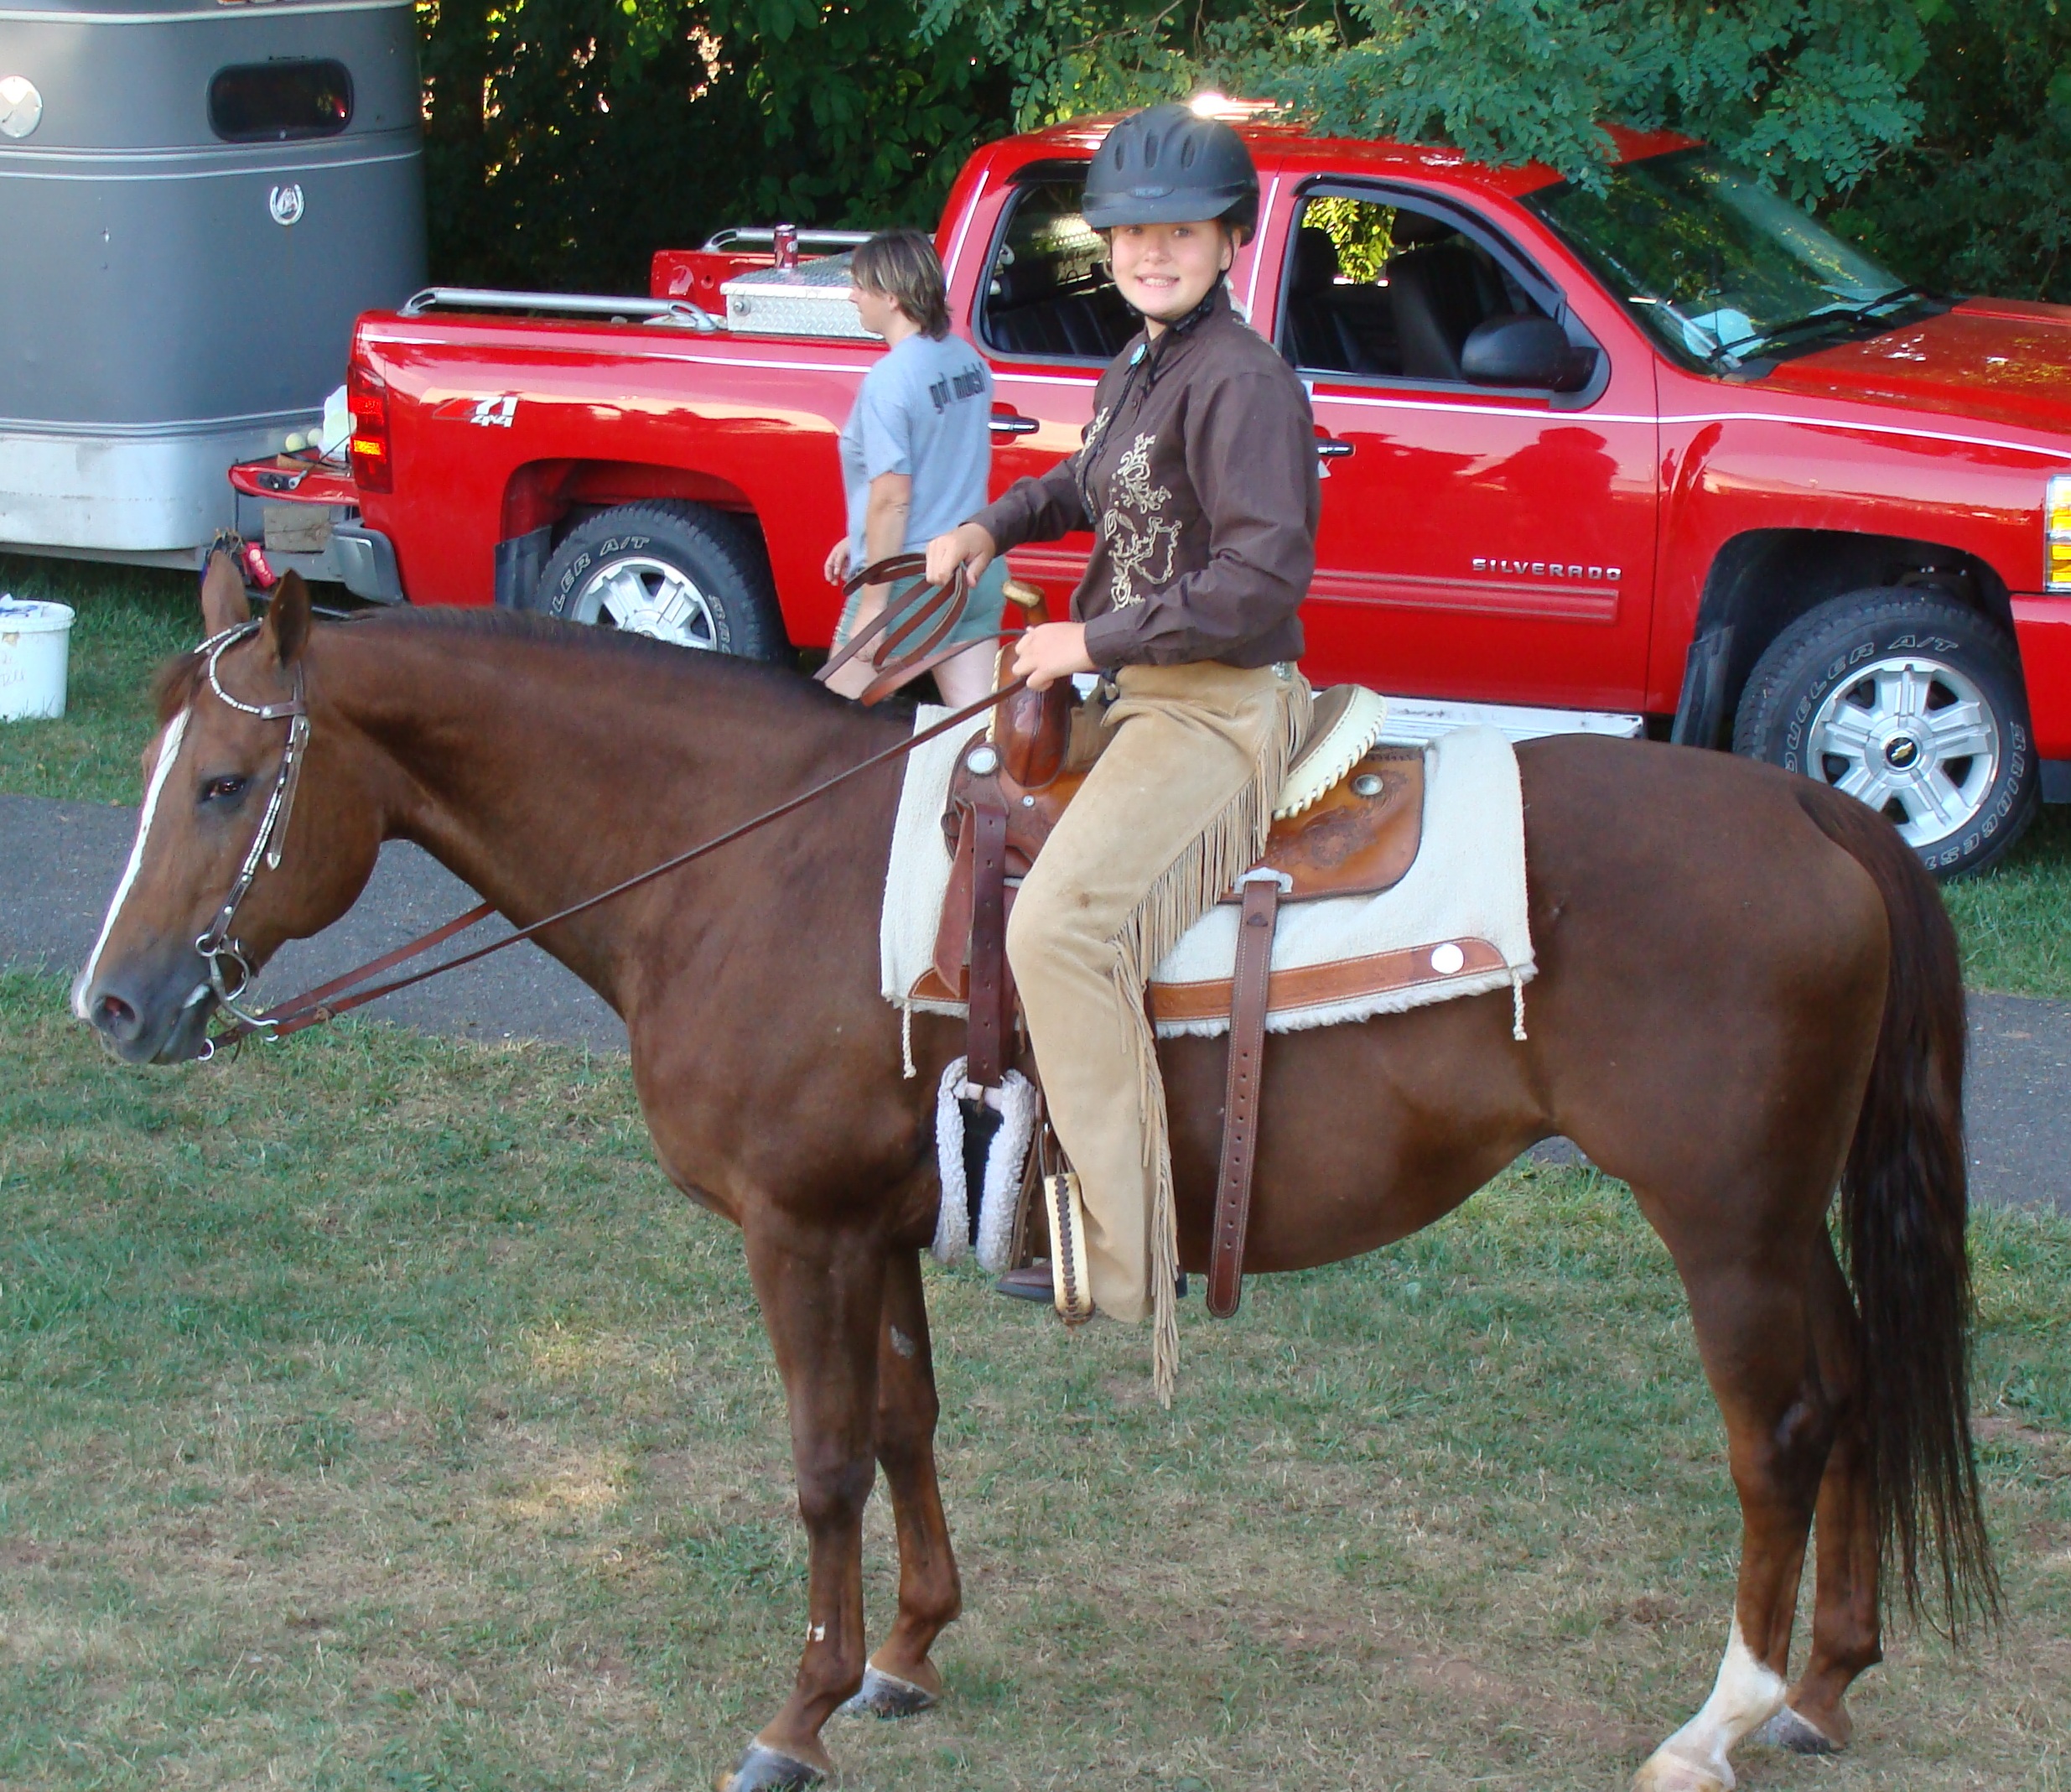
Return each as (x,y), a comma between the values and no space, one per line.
(1748,996)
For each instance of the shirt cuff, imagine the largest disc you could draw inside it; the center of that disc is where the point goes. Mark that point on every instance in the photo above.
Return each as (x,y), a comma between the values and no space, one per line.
(1003,522)
(1110,640)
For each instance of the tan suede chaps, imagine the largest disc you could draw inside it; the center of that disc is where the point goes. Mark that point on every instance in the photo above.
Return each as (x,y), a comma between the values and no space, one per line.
(1175,809)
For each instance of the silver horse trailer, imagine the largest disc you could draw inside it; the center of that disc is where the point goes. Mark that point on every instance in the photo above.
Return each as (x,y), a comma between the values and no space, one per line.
(196,200)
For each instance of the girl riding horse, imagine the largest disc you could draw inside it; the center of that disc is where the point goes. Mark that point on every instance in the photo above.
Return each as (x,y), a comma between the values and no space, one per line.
(1198,476)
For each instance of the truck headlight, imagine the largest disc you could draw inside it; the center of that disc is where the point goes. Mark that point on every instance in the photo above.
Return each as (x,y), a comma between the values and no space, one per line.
(2057,534)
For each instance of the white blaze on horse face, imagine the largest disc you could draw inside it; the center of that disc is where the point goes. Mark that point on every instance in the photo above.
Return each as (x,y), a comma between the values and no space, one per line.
(169,751)
(1745,1696)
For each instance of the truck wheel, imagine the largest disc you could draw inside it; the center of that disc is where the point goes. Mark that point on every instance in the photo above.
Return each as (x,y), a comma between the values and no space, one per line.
(1911,702)
(677,572)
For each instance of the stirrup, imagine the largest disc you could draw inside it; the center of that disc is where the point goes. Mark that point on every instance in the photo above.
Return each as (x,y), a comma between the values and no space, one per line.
(1065,1213)
(1032,1284)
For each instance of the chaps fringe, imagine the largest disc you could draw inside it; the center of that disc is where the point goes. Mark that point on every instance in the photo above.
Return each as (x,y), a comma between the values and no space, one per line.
(1229,846)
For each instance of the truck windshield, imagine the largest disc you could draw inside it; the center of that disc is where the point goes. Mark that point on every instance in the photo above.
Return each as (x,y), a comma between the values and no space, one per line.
(1717,265)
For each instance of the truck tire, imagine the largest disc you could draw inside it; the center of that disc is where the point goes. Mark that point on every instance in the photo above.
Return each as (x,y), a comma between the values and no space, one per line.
(675,572)
(1915,703)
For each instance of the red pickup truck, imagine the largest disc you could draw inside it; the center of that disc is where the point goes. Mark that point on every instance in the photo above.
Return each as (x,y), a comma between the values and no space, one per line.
(1663,449)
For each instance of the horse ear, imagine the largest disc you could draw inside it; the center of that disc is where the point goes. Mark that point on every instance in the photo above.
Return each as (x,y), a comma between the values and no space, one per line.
(287,619)
(223,601)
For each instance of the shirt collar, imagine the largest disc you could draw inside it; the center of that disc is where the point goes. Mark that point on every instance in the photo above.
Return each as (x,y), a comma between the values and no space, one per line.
(1158,353)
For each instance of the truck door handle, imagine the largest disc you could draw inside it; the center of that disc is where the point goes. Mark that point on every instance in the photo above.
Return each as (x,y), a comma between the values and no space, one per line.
(1010,423)
(1330,448)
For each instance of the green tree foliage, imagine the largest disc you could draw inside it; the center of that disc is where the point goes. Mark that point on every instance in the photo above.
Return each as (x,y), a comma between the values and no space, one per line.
(1981,203)
(566,140)
(569,138)
(1813,92)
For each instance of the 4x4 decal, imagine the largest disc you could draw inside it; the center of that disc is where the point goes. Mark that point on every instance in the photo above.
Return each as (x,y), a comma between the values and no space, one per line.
(496,412)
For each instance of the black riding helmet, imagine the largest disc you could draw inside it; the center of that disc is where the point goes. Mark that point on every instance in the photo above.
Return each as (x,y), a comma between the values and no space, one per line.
(1169,165)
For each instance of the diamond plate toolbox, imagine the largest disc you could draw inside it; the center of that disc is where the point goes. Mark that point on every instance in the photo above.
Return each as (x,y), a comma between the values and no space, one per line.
(810,299)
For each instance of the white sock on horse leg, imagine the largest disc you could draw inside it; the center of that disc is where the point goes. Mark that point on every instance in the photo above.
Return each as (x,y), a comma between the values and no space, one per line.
(1744,1697)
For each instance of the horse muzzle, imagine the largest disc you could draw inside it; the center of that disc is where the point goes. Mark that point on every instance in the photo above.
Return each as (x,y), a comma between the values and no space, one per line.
(158,1021)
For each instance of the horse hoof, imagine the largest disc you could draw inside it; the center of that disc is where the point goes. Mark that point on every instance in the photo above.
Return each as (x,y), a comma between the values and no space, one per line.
(884,1695)
(763,1769)
(1787,1729)
(1668,1773)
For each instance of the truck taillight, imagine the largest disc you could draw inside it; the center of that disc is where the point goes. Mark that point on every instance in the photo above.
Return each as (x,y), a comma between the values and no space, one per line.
(2057,534)
(366,397)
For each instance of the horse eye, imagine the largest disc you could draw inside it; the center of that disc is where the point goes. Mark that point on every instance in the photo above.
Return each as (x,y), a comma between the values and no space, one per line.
(221,790)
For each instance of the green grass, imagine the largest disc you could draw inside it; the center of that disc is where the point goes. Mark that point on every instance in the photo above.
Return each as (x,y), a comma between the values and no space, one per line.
(2014,922)
(371,1415)
(127,622)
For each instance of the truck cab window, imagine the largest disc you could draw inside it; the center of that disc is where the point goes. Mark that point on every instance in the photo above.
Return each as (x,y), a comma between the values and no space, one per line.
(1385,291)
(1048,292)
(272,103)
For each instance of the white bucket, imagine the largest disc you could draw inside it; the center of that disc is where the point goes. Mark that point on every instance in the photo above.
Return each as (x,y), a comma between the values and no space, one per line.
(35,652)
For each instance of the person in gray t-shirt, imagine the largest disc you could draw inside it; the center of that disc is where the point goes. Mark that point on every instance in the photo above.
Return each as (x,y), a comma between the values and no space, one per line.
(915,454)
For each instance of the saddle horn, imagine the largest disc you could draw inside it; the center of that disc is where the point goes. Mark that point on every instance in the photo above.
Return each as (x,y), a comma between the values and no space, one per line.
(1032,729)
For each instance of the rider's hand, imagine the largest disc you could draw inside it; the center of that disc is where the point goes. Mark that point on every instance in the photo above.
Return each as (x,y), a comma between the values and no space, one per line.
(837,567)
(1050,651)
(966,542)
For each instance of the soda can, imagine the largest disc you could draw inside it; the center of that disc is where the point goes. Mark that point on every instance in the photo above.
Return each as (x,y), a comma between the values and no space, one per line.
(786,236)
(257,568)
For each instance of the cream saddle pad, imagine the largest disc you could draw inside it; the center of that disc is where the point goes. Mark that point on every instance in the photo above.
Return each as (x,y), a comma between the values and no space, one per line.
(1454,925)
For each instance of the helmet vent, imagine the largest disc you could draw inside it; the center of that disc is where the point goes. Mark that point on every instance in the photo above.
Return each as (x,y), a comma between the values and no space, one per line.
(1208,173)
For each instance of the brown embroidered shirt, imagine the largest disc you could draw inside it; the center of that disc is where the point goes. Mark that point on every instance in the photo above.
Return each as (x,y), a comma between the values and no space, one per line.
(1198,476)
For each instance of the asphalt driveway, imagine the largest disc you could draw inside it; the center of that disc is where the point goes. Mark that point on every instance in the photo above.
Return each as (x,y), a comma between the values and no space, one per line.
(59,862)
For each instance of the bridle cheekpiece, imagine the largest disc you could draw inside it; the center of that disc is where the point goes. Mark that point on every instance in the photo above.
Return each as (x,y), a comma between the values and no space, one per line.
(216,946)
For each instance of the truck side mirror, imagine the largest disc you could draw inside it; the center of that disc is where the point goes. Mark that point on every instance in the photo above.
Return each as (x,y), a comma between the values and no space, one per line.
(1513,350)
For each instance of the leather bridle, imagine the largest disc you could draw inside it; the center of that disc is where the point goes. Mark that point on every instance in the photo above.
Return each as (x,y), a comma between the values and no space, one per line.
(218,945)
(342,993)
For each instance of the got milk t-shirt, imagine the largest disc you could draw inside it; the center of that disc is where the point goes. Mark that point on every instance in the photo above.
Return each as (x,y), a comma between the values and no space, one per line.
(925,410)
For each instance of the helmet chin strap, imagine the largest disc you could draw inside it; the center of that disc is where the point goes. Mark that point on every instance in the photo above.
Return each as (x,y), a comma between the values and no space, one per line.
(1180,326)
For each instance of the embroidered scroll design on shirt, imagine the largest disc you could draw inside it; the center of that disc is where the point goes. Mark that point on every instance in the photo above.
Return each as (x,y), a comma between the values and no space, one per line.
(1140,544)
(1089,443)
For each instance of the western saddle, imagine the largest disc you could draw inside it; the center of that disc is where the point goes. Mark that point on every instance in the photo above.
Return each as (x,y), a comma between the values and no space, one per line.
(1348,823)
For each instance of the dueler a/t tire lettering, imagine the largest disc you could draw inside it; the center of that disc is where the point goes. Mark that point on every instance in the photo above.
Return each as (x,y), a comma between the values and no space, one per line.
(677,572)
(1912,701)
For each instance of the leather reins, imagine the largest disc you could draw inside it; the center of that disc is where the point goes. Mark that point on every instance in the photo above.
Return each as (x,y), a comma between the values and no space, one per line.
(942,605)
(949,601)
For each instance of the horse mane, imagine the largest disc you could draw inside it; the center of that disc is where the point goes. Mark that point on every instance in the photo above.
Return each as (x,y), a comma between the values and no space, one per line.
(755,679)
(175,683)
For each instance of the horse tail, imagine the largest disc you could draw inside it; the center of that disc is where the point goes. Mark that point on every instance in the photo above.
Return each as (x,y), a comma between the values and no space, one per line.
(1904,1196)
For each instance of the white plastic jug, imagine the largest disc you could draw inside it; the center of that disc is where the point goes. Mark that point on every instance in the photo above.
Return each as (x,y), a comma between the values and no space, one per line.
(35,654)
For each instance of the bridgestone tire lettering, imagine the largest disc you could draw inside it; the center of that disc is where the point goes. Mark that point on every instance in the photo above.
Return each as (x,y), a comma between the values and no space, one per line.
(717,556)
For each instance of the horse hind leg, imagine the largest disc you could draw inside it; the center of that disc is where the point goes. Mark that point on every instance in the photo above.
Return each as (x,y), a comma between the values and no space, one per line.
(1752,1333)
(1844,1634)
(899,1679)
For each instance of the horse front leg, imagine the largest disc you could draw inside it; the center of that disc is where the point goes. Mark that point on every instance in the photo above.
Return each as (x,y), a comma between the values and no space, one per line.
(900,1679)
(822,1294)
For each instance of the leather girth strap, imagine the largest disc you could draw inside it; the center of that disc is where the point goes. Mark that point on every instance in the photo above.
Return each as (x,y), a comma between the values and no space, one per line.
(985,1048)
(1240,1101)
